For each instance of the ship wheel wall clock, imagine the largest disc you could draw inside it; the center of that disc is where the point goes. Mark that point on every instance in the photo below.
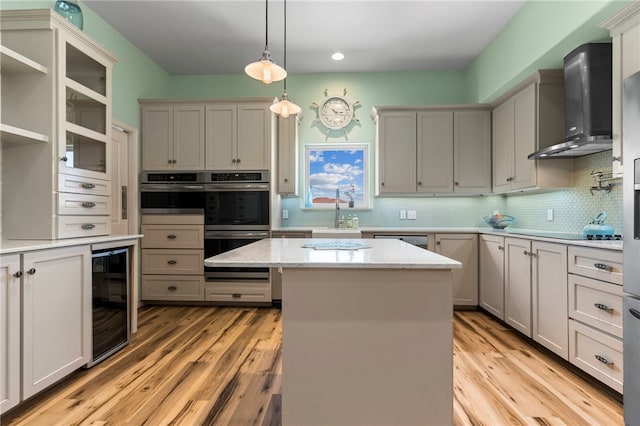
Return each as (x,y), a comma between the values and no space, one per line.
(335,115)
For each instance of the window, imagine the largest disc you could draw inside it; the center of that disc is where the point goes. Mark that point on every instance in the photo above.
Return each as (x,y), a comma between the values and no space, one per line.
(336,167)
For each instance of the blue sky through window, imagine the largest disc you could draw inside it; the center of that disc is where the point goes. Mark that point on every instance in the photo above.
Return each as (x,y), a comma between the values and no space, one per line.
(331,167)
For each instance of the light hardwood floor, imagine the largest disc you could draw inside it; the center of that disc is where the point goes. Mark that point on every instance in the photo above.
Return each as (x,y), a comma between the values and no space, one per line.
(221,366)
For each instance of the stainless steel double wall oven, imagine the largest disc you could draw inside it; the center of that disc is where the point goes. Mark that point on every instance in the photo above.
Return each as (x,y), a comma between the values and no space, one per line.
(235,206)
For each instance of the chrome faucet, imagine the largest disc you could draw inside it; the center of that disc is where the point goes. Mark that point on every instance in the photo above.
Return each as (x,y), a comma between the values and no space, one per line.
(337,221)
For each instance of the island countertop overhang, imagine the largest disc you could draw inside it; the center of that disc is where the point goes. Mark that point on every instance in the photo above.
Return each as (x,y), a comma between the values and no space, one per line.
(290,253)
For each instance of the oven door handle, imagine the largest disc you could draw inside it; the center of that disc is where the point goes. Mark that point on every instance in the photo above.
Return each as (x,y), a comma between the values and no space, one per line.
(231,235)
(213,187)
(165,187)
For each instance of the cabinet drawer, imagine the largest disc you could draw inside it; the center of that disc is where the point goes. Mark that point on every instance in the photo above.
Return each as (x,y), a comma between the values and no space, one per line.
(173,287)
(596,303)
(83,185)
(83,226)
(605,265)
(173,236)
(597,353)
(242,291)
(172,219)
(176,262)
(83,204)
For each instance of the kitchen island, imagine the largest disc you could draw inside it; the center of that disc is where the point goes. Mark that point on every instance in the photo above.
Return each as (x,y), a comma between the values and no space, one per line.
(367,330)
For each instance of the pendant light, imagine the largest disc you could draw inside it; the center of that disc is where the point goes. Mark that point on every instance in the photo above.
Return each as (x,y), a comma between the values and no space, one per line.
(285,107)
(265,69)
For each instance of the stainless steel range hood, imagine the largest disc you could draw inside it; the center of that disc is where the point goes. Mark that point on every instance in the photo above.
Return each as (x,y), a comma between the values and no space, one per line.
(587,103)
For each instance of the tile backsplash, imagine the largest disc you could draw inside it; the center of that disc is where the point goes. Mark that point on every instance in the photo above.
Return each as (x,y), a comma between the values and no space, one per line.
(573,208)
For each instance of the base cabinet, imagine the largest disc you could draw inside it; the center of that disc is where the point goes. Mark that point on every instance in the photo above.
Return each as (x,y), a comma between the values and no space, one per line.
(464,249)
(517,290)
(51,337)
(491,285)
(10,331)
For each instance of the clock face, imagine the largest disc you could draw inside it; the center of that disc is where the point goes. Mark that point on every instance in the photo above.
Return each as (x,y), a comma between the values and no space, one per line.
(336,112)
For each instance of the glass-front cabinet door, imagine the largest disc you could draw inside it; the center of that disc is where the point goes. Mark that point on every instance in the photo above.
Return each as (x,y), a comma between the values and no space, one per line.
(85,96)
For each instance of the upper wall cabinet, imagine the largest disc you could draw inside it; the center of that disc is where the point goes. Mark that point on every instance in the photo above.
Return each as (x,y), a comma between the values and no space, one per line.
(55,128)
(433,150)
(172,136)
(238,136)
(287,155)
(625,33)
(527,118)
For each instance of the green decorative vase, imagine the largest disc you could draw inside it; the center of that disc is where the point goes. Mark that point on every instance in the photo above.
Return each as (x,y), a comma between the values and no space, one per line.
(70,10)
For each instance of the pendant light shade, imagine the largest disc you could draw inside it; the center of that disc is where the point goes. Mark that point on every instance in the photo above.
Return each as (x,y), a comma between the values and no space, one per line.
(264,69)
(285,107)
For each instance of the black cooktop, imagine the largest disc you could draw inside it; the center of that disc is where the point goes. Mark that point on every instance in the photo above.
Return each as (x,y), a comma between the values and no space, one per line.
(567,236)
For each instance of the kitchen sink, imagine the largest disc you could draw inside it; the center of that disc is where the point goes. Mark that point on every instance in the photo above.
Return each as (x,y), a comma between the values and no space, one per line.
(336,233)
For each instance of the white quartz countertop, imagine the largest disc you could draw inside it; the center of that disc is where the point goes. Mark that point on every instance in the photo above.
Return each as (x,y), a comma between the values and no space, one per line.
(21,246)
(290,253)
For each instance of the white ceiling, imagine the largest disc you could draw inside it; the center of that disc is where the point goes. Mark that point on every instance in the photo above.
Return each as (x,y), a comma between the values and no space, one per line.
(221,37)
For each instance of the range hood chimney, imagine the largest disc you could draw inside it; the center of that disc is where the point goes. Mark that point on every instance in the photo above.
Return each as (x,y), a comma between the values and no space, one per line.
(587,103)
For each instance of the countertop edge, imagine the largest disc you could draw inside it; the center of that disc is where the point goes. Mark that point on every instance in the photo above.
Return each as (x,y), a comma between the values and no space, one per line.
(21,246)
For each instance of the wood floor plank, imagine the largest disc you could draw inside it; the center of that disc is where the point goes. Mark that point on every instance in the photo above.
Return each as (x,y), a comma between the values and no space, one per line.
(195,365)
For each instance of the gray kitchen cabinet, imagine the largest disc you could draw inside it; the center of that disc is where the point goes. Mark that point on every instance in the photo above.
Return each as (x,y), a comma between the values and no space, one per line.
(238,135)
(491,285)
(549,297)
(10,289)
(172,136)
(287,156)
(430,150)
(56,315)
(464,249)
(535,291)
(56,123)
(517,290)
(525,119)
(624,28)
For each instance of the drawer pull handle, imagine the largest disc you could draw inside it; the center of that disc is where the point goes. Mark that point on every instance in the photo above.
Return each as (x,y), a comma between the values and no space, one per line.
(18,274)
(88,185)
(529,253)
(500,248)
(88,205)
(603,267)
(603,307)
(634,312)
(603,360)
(171,237)
(172,288)
(172,262)
(31,271)
(236,295)
(88,226)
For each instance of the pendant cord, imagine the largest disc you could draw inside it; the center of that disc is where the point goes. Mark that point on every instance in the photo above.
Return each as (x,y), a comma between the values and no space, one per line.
(285,43)
(266,25)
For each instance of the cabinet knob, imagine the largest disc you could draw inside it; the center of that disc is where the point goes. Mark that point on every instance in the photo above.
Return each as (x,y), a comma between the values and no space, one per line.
(381,183)
(31,271)
(456,183)
(236,295)
(169,161)
(419,183)
(171,237)
(437,243)
(88,226)
(233,160)
(172,262)
(286,180)
(237,160)
(64,159)
(18,274)
(172,288)
(175,161)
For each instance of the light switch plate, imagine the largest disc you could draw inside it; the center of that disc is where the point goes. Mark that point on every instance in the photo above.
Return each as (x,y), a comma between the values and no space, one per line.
(285,214)
(549,214)
(412,214)
(403,214)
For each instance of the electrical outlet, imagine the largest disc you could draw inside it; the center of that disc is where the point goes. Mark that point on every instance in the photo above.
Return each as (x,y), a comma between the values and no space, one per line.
(549,214)
(412,214)
(403,214)
(285,214)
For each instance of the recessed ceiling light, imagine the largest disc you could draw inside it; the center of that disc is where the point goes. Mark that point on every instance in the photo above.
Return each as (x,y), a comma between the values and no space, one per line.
(337,56)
